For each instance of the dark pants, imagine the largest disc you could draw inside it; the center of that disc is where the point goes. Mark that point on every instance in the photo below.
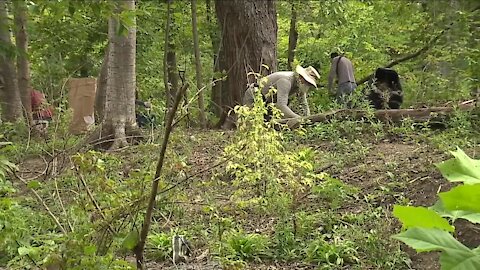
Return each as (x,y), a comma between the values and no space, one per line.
(144,120)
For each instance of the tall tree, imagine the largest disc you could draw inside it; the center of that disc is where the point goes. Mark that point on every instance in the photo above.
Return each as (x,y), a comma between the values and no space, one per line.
(120,98)
(292,36)
(249,41)
(170,57)
(198,66)
(216,98)
(23,66)
(9,95)
(101,93)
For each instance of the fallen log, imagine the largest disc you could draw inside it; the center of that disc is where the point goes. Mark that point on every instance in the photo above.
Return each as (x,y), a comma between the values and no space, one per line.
(397,115)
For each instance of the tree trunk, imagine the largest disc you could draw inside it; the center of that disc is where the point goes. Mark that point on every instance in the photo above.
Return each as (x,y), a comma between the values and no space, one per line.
(216,98)
(139,248)
(198,66)
(248,44)
(101,93)
(9,95)
(169,61)
(172,72)
(292,37)
(120,99)
(23,69)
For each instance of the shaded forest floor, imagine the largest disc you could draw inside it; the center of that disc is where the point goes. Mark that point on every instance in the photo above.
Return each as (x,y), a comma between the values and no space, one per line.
(393,170)
(378,169)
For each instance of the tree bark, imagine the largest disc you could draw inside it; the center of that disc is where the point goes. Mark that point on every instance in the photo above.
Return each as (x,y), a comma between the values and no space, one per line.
(23,66)
(169,59)
(172,71)
(198,66)
(9,95)
(101,93)
(120,98)
(249,44)
(292,37)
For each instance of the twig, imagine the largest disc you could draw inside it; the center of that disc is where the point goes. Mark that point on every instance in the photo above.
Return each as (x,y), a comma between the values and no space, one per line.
(197,173)
(55,219)
(153,194)
(193,99)
(61,204)
(90,195)
(40,173)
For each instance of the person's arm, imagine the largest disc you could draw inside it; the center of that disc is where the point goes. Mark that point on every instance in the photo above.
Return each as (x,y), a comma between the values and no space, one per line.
(332,74)
(304,104)
(283,89)
(142,103)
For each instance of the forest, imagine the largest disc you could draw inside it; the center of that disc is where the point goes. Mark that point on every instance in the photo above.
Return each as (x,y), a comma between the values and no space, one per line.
(240,134)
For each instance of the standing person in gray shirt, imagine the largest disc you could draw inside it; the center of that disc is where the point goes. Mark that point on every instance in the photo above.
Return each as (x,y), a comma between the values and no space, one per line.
(342,69)
(286,84)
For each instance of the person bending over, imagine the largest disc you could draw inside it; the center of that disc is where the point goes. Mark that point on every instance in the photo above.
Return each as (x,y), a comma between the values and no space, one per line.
(286,83)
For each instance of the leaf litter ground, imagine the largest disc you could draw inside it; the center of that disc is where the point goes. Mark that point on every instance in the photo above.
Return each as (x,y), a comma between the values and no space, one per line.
(393,170)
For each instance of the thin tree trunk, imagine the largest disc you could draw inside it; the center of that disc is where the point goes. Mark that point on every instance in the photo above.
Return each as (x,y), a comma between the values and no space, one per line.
(139,248)
(120,99)
(23,69)
(172,71)
(292,37)
(169,97)
(198,66)
(216,98)
(9,95)
(101,93)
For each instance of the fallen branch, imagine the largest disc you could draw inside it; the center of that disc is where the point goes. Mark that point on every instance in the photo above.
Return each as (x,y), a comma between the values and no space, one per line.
(39,198)
(397,115)
(92,199)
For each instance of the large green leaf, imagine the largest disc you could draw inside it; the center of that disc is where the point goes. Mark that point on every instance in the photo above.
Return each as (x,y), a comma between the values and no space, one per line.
(455,214)
(465,197)
(412,216)
(461,168)
(424,239)
(460,261)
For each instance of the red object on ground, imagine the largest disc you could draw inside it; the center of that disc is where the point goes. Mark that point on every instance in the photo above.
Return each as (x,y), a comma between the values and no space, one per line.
(40,109)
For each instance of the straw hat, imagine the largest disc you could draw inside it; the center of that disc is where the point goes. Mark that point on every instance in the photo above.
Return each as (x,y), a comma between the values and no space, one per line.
(310,74)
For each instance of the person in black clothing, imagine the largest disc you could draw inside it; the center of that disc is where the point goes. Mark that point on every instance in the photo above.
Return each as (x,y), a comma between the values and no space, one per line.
(142,112)
(386,91)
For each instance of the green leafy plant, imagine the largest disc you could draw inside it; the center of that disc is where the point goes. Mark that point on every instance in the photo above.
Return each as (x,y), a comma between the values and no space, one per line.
(264,171)
(429,229)
(245,246)
(159,245)
(333,252)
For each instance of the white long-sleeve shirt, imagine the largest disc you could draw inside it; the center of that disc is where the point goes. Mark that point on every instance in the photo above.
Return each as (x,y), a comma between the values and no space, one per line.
(285,83)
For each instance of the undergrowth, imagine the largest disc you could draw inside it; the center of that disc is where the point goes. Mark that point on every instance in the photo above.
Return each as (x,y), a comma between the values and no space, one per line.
(269,199)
